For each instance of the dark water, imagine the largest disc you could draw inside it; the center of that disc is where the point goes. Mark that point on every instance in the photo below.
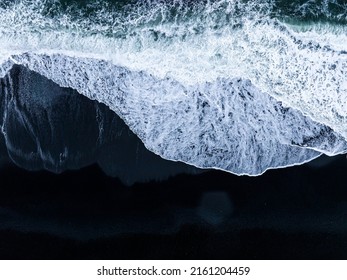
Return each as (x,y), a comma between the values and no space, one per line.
(85,208)
(334,11)
(302,10)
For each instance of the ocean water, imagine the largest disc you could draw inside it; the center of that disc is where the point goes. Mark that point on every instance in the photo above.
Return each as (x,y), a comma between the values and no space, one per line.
(114,113)
(241,86)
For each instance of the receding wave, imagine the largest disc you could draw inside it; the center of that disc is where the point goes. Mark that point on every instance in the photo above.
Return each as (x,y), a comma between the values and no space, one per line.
(241,86)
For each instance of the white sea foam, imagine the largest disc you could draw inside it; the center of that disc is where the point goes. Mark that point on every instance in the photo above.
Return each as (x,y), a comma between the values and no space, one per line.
(182,82)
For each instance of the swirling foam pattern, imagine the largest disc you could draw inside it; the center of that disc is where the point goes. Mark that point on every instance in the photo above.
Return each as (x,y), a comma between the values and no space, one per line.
(241,86)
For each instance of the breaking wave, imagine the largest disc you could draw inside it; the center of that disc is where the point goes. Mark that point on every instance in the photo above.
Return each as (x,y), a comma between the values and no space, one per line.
(241,86)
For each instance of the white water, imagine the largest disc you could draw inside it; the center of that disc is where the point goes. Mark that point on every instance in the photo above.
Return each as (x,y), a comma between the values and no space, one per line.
(182,84)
